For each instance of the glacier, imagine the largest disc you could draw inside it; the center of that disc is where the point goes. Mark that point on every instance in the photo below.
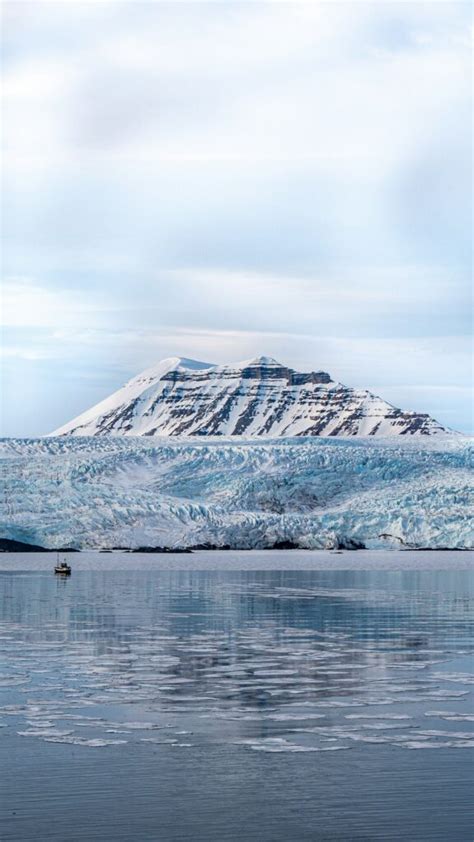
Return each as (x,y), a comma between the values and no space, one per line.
(111,491)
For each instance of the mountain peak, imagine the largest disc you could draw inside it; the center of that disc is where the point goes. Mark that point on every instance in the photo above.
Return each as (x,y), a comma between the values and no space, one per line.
(172,363)
(260,361)
(163,367)
(191,365)
(253,362)
(255,397)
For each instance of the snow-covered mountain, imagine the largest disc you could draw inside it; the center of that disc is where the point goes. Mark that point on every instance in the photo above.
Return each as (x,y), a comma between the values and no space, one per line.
(181,492)
(258,397)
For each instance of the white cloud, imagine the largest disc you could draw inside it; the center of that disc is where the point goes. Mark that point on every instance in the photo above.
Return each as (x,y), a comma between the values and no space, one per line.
(26,303)
(199,178)
(260,82)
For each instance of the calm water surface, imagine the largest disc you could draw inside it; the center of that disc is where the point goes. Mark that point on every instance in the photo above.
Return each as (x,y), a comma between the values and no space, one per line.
(274,705)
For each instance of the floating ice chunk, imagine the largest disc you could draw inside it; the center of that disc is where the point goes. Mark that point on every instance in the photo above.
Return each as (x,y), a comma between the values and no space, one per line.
(451,716)
(43,732)
(413,744)
(79,741)
(377,716)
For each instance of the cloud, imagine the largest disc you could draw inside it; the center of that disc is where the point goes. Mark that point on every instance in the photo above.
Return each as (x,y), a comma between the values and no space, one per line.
(261,82)
(25,303)
(209,176)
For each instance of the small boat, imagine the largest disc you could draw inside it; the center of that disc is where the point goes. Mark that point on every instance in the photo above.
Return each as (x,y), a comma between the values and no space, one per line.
(62,568)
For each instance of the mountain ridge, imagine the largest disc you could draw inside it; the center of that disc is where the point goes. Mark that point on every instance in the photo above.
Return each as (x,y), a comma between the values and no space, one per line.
(256,397)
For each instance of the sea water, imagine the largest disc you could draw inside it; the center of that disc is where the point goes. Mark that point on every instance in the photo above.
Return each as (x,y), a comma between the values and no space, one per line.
(221,696)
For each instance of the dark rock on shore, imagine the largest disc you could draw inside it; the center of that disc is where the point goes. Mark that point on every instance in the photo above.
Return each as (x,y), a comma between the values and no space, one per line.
(7,545)
(439,549)
(349,544)
(213,547)
(161,550)
(283,545)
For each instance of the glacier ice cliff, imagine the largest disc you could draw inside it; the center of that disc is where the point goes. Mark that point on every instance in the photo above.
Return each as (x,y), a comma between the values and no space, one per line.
(241,493)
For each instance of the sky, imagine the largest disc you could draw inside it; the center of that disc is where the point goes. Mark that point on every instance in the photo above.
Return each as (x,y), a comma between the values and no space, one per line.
(225,180)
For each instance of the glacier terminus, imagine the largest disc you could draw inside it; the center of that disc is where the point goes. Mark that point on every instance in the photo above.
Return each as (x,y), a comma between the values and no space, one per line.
(308,492)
